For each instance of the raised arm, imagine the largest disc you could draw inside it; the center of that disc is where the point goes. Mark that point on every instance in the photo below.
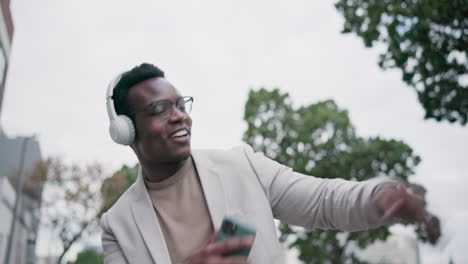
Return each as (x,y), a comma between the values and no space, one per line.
(312,202)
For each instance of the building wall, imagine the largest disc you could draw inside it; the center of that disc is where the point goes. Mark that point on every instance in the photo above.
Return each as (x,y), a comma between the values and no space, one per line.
(23,242)
(26,228)
(7,200)
(22,250)
(6,35)
(8,20)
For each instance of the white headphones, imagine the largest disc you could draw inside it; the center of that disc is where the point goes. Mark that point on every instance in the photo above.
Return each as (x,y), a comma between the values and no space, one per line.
(121,127)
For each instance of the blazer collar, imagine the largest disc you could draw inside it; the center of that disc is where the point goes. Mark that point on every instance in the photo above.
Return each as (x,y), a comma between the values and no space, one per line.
(145,215)
(148,223)
(212,186)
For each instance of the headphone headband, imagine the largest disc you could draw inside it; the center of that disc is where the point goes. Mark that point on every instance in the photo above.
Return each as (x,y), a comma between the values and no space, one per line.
(109,97)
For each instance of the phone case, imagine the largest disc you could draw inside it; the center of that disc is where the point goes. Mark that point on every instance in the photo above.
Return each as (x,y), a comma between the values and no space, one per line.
(231,228)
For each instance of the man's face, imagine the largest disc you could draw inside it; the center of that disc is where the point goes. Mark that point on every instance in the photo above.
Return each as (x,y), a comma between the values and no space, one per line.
(159,139)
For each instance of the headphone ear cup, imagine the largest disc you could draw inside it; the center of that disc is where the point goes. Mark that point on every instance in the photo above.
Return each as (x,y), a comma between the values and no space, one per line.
(122,130)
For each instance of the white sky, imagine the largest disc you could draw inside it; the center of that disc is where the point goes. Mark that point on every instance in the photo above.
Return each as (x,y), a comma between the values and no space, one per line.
(65,53)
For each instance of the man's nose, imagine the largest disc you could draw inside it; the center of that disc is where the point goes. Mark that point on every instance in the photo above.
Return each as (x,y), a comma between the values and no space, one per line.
(177,114)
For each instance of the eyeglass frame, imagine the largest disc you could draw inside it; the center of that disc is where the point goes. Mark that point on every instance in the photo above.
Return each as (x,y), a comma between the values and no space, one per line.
(190,98)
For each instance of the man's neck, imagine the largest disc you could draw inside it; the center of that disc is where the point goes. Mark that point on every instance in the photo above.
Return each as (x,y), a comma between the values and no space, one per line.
(158,172)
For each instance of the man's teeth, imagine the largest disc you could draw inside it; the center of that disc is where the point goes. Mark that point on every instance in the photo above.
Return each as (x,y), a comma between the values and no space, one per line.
(180,133)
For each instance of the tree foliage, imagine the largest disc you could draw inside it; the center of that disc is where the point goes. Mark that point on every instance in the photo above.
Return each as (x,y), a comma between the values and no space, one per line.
(71,199)
(74,198)
(89,256)
(116,185)
(427,40)
(319,139)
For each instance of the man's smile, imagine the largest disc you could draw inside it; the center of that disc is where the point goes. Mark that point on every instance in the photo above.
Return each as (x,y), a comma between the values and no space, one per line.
(181,136)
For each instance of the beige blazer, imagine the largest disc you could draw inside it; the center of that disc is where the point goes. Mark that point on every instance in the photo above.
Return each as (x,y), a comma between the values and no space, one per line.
(251,188)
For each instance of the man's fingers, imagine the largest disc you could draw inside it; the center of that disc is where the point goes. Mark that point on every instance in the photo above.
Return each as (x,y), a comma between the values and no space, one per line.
(391,212)
(230,245)
(432,227)
(415,209)
(403,202)
(235,260)
(213,236)
(214,252)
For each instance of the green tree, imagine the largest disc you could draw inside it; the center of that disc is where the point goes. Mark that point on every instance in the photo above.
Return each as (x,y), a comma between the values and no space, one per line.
(71,199)
(116,185)
(427,40)
(319,140)
(89,256)
(74,198)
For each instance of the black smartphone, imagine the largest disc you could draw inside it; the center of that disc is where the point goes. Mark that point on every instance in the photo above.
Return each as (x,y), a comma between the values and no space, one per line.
(231,228)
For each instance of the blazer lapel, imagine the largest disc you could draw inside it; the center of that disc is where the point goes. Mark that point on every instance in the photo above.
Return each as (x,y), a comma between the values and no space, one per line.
(212,187)
(148,224)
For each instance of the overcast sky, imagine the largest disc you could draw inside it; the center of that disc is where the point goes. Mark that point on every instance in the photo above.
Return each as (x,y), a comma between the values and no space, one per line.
(65,53)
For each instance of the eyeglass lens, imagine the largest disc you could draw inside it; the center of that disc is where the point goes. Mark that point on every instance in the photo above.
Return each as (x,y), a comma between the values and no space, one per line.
(164,109)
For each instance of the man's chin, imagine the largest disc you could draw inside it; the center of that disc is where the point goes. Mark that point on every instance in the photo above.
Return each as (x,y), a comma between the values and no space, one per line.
(180,155)
(186,155)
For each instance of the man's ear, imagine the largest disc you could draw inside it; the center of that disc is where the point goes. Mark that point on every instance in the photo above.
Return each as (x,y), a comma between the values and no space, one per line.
(135,139)
(133,145)
(135,149)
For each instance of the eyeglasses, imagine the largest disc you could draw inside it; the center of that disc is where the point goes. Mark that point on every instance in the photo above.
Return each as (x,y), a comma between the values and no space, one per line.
(163,108)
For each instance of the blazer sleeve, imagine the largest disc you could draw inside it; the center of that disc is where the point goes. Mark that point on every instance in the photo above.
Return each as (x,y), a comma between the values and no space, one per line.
(112,252)
(313,202)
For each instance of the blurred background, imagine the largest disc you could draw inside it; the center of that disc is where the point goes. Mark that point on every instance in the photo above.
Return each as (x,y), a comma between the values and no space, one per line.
(369,88)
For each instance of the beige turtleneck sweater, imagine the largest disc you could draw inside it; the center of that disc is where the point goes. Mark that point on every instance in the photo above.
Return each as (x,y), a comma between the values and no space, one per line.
(182,212)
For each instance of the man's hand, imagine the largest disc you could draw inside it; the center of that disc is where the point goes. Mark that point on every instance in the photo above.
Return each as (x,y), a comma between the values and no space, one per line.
(406,203)
(213,252)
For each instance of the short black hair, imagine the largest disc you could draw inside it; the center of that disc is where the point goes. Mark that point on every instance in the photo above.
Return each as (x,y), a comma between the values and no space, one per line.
(128,79)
